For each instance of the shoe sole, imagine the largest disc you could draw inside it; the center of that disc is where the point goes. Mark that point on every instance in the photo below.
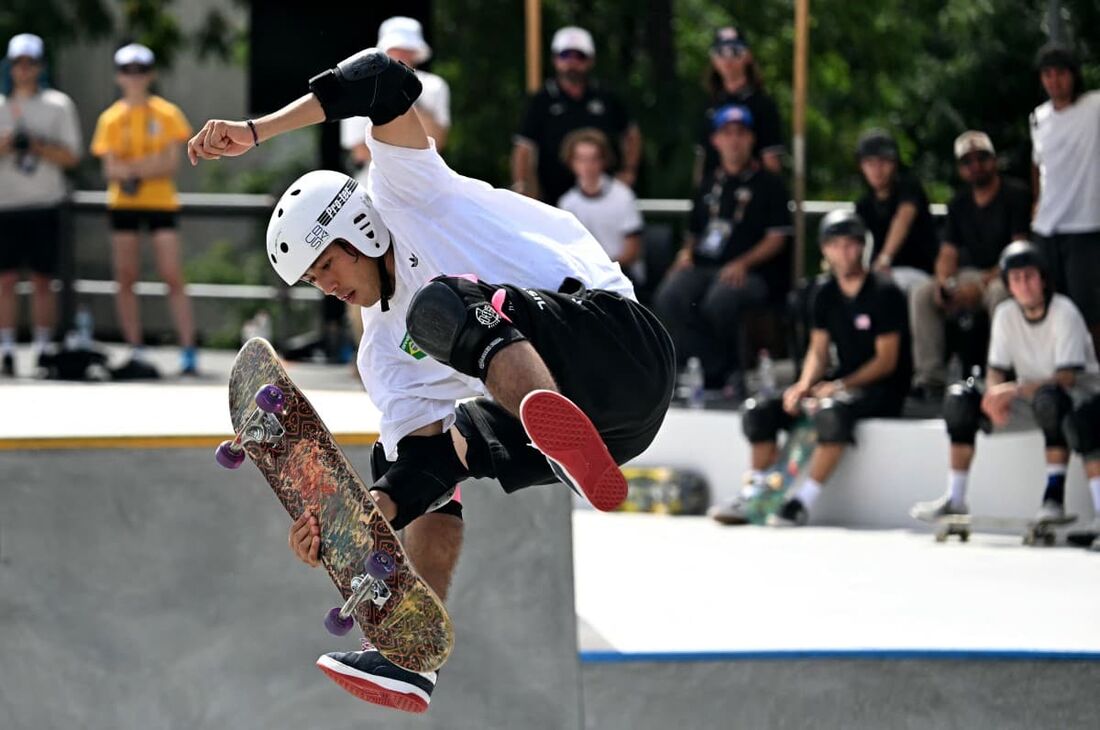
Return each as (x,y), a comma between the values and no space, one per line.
(371,692)
(565,435)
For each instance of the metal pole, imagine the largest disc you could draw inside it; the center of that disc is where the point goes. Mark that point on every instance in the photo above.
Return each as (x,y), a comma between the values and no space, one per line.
(801,36)
(533,17)
(1054,22)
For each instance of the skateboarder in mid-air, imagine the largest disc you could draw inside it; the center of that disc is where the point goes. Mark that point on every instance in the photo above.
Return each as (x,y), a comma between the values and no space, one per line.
(1042,370)
(466,291)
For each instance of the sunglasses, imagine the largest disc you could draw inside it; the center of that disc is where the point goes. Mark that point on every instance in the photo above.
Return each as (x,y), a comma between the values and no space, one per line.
(974,159)
(572,54)
(134,69)
(727,51)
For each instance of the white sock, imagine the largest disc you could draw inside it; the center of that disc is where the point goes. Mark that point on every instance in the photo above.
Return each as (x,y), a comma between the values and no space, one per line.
(1094,487)
(42,336)
(7,340)
(138,353)
(956,487)
(755,485)
(808,493)
(1055,469)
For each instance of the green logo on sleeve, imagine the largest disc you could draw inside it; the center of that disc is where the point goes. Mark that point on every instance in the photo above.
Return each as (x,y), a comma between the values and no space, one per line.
(410,347)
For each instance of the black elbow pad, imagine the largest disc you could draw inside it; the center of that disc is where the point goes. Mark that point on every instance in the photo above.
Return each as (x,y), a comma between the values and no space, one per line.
(368,84)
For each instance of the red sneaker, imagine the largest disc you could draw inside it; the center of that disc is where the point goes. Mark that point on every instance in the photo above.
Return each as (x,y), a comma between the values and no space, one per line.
(573,447)
(372,678)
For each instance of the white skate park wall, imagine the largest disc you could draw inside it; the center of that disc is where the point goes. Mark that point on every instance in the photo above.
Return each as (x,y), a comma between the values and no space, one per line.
(152,589)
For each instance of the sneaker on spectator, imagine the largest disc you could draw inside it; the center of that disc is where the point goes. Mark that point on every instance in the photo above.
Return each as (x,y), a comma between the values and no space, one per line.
(733,512)
(135,369)
(7,365)
(937,508)
(1050,511)
(792,514)
(1086,536)
(373,678)
(189,361)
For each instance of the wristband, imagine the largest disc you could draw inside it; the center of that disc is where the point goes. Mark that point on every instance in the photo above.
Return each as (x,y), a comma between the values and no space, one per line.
(255,136)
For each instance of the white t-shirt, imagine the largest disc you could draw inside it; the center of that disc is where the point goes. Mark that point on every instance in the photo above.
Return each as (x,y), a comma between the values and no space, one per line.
(1036,350)
(611,215)
(444,223)
(435,99)
(48,115)
(1066,149)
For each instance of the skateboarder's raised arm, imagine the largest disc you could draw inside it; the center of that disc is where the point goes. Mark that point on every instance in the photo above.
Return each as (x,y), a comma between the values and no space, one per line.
(367,84)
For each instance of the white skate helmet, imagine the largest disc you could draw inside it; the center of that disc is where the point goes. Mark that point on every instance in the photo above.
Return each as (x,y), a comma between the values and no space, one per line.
(319,208)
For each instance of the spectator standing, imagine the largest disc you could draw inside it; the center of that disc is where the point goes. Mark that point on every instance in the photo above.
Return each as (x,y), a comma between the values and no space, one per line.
(895,210)
(603,205)
(1042,371)
(863,315)
(1065,141)
(571,100)
(402,39)
(39,140)
(986,215)
(139,139)
(736,256)
(736,79)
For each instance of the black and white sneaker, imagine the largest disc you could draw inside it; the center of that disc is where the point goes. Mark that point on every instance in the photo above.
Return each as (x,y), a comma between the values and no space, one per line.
(7,365)
(792,514)
(373,678)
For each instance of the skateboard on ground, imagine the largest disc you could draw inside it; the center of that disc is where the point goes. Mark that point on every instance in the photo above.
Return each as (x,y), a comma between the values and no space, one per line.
(663,490)
(279,430)
(1034,532)
(793,458)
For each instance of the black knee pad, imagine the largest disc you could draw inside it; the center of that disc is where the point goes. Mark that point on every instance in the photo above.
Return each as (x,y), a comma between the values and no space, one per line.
(834,422)
(452,320)
(1082,427)
(423,478)
(1051,406)
(379,464)
(962,413)
(761,419)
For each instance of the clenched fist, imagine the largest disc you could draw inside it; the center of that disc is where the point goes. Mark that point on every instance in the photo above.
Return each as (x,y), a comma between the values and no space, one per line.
(305,539)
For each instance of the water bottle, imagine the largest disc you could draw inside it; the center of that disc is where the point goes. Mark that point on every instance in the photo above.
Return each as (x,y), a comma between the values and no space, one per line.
(693,382)
(765,374)
(85,327)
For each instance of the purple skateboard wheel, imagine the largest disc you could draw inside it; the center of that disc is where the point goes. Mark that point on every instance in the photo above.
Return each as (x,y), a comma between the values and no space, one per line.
(379,565)
(229,455)
(336,624)
(270,399)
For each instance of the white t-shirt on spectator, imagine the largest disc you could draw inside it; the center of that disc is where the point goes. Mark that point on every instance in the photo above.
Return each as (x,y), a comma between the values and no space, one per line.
(435,100)
(444,223)
(611,215)
(1036,350)
(49,115)
(1066,149)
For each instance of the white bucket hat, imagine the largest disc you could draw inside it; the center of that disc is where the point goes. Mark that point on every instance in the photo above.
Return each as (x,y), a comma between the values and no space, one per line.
(407,33)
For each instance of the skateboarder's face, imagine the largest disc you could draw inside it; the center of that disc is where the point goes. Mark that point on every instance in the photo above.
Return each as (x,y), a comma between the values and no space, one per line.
(844,254)
(1026,286)
(345,273)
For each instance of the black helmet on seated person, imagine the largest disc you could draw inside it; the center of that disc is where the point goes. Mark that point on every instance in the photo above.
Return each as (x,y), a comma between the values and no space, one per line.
(841,223)
(1021,255)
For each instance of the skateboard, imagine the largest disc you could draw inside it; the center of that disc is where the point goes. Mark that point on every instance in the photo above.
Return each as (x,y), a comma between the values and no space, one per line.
(1034,532)
(282,434)
(663,490)
(793,458)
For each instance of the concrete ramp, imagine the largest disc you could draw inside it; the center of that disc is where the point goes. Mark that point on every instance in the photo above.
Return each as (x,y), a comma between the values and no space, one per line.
(151,589)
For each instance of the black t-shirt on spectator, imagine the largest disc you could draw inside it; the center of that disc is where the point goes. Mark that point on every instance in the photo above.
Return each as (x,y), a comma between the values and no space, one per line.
(981,234)
(853,324)
(552,114)
(765,123)
(754,203)
(920,246)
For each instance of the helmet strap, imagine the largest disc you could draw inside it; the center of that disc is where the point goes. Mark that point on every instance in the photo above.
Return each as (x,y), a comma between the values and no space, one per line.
(384,285)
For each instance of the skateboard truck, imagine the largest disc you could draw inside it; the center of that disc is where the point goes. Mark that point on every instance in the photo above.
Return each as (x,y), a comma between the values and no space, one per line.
(260,427)
(370,586)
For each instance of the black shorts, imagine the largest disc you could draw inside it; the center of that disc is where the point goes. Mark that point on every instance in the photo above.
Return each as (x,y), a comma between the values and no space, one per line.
(31,238)
(608,354)
(134,220)
(1074,260)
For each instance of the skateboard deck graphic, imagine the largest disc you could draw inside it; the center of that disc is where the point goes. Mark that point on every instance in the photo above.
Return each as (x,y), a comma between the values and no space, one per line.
(664,490)
(1033,532)
(399,613)
(793,458)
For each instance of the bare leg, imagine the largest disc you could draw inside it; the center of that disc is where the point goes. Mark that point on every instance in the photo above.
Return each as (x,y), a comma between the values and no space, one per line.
(1092,468)
(45,302)
(1057,456)
(961,456)
(127,263)
(8,280)
(764,455)
(433,542)
(824,461)
(171,271)
(514,372)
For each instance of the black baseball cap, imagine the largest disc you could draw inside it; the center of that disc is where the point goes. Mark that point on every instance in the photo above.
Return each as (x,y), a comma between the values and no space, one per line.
(877,143)
(729,37)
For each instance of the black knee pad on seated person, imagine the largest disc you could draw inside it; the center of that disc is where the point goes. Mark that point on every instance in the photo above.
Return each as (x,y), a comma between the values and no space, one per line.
(962,413)
(761,419)
(423,478)
(1051,405)
(1082,427)
(451,320)
(834,422)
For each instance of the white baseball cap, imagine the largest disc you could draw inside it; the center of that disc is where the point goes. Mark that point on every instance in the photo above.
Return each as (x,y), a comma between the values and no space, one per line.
(135,53)
(26,45)
(572,38)
(407,33)
(973,141)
